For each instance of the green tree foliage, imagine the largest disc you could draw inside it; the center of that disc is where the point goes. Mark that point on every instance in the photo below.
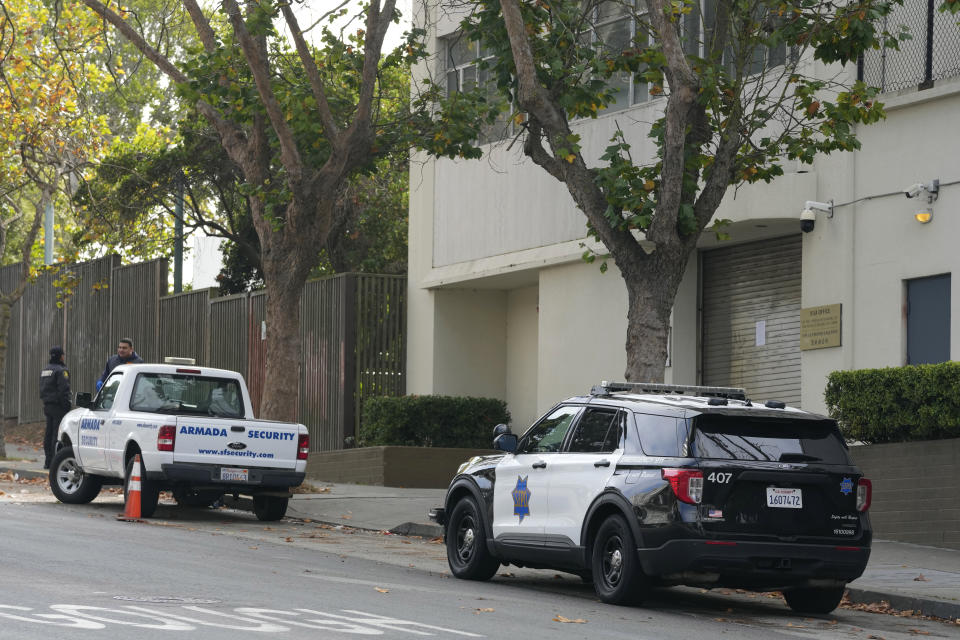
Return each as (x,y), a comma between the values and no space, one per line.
(47,136)
(299,123)
(746,86)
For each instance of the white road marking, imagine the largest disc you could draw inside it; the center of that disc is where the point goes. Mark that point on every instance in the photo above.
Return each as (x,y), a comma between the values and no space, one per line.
(258,620)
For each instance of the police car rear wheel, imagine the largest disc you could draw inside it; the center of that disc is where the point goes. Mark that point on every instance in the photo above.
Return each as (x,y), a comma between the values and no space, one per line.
(814,599)
(68,481)
(467,552)
(617,577)
(149,491)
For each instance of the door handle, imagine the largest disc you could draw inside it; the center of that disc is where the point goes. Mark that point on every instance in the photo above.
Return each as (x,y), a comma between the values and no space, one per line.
(602,463)
(540,465)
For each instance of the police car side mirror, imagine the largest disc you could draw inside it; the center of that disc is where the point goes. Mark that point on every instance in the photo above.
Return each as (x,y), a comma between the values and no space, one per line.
(84,399)
(505,442)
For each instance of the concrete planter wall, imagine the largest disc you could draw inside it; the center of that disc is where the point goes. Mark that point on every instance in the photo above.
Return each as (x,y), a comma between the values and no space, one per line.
(413,467)
(916,490)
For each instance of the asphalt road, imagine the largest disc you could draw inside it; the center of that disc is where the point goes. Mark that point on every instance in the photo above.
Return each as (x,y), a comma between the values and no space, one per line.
(75,571)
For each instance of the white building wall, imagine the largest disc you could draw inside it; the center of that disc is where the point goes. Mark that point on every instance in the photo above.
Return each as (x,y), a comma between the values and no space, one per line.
(489,237)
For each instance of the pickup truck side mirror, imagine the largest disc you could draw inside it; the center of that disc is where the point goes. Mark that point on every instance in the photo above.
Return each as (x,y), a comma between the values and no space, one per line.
(505,442)
(500,428)
(84,399)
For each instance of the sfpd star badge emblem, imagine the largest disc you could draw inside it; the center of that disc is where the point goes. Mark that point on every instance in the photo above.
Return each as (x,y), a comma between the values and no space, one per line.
(521,498)
(846,486)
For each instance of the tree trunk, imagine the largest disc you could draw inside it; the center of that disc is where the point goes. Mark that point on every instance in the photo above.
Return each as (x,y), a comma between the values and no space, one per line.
(286,273)
(652,282)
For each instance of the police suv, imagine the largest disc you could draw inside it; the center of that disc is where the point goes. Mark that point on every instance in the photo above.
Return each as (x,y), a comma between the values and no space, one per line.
(196,435)
(640,485)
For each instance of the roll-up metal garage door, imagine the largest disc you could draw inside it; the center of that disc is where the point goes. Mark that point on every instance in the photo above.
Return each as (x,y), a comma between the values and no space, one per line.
(750,318)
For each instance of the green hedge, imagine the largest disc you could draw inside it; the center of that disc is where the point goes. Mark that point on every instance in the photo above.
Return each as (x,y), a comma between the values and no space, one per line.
(897,404)
(431,421)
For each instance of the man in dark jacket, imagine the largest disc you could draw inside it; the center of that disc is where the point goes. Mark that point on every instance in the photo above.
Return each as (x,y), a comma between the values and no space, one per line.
(55,393)
(125,355)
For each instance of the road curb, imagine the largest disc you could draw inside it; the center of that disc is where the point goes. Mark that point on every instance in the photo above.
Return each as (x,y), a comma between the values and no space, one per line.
(418,529)
(924,606)
(25,473)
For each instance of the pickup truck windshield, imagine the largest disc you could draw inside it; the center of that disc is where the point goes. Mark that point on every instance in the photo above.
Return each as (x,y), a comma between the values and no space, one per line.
(179,394)
(734,438)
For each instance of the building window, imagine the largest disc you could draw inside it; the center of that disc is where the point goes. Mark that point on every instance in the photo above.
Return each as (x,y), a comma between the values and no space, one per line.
(697,30)
(932,53)
(928,320)
(615,28)
(462,59)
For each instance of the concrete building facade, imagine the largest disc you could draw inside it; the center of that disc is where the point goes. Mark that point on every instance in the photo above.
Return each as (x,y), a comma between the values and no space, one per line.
(501,303)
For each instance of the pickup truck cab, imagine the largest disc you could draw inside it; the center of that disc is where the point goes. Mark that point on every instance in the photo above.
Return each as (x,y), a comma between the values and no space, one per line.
(196,435)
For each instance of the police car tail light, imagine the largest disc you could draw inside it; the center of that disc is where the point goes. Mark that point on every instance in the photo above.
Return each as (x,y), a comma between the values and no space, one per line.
(166,437)
(864,494)
(687,484)
(303,447)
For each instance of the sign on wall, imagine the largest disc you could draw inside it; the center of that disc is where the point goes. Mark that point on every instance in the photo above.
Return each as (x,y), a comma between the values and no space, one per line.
(820,327)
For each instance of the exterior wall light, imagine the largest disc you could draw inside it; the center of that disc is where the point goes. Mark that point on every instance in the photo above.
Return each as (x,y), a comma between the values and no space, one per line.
(923,216)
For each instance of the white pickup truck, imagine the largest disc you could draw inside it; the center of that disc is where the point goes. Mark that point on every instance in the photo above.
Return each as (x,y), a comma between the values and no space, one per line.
(196,435)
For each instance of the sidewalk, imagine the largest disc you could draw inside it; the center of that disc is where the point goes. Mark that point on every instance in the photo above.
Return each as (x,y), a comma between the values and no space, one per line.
(908,576)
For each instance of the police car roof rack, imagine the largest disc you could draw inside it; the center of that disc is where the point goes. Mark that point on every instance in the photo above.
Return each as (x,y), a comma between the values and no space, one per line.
(606,388)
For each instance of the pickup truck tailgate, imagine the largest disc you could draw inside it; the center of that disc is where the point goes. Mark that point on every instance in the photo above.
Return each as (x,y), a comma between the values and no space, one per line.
(241,443)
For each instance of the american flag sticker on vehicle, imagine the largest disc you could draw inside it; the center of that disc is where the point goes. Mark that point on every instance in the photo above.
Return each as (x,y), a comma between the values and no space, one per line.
(714,513)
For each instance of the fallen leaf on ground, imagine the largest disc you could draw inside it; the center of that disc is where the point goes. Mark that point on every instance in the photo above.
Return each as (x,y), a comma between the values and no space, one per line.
(488,610)
(382,590)
(569,621)
(876,638)
(920,578)
(288,539)
(918,632)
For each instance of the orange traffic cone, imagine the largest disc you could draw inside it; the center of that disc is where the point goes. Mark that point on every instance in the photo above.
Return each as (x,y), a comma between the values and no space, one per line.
(131,510)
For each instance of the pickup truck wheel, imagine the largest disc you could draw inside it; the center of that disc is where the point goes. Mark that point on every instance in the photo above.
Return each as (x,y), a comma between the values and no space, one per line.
(467,552)
(617,576)
(149,491)
(68,481)
(269,508)
(813,599)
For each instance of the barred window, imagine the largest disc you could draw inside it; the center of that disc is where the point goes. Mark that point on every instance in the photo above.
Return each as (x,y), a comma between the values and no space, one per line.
(615,29)
(462,59)
(932,53)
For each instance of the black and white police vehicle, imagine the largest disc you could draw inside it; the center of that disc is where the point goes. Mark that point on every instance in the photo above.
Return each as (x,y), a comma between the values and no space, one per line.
(641,485)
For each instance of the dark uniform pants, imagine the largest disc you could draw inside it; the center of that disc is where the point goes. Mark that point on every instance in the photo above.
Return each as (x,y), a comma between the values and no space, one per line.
(54,413)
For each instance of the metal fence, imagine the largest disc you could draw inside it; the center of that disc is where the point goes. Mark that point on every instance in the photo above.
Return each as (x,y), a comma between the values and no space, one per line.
(932,52)
(352,331)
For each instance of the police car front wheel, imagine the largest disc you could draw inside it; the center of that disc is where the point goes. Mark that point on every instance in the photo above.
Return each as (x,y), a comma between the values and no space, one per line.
(467,552)
(617,577)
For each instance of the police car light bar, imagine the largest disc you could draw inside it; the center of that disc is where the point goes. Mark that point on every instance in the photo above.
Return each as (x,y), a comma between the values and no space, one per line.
(606,388)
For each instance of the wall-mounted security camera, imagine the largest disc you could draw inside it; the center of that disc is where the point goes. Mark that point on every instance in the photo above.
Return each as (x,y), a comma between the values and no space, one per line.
(913,190)
(808,217)
(932,189)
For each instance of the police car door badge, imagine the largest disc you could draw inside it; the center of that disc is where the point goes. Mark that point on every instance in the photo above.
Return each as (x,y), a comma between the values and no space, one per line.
(521,498)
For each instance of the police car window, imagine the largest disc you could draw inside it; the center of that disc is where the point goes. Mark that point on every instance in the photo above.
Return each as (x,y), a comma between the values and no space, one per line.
(548,434)
(108,393)
(187,395)
(599,431)
(660,435)
(736,438)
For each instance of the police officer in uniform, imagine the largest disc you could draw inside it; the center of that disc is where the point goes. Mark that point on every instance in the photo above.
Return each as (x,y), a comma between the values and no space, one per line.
(55,393)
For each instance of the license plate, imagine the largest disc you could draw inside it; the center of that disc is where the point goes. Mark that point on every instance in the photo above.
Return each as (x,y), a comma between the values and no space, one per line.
(235,475)
(781,498)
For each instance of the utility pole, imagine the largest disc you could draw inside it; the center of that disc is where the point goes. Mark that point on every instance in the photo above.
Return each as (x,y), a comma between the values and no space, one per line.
(178,240)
